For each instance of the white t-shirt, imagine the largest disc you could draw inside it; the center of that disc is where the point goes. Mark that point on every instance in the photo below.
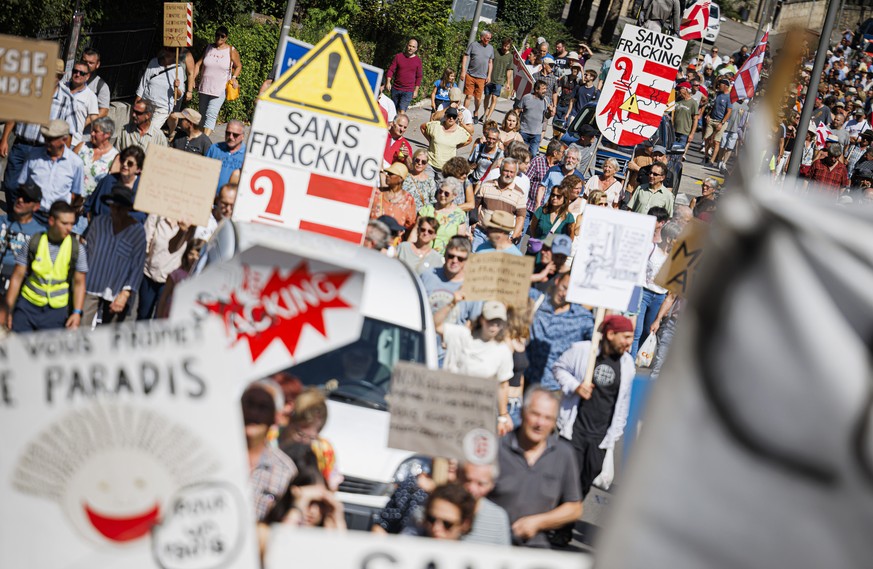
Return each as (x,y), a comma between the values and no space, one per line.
(613,192)
(653,267)
(469,356)
(84,104)
(522,182)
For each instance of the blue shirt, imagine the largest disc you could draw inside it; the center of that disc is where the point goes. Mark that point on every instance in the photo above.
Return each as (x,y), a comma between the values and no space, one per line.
(57,178)
(13,237)
(229,161)
(551,335)
(720,105)
(553,178)
(440,292)
(95,206)
(487,247)
(116,261)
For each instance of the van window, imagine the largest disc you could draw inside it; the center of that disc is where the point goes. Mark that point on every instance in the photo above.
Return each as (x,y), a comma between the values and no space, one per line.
(713,14)
(360,373)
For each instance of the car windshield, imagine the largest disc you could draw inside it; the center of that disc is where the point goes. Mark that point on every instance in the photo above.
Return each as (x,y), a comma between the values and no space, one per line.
(360,373)
(713,11)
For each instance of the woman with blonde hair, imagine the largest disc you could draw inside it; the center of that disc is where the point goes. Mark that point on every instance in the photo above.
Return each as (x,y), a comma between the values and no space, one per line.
(606,182)
(510,130)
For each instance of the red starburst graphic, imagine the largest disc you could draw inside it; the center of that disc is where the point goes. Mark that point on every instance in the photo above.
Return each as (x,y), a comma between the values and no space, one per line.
(282,308)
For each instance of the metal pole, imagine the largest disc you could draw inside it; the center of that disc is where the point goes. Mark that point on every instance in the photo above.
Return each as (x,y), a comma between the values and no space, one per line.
(812,90)
(475,27)
(765,13)
(73,45)
(283,34)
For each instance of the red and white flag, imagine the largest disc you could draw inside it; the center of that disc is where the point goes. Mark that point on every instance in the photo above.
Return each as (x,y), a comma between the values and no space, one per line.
(822,133)
(522,80)
(695,19)
(748,75)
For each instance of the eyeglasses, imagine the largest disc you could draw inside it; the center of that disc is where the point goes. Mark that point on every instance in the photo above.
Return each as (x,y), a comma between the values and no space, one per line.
(443,193)
(426,231)
(452,256)
(655,174)
(79,72)
(233,134)
(419,161)
(432,520)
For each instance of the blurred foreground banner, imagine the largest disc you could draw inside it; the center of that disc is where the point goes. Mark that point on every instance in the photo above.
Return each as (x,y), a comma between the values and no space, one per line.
(757,449)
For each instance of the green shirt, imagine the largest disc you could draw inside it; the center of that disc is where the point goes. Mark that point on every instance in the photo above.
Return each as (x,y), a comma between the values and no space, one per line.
(645,198)
(501,64)
(684,115)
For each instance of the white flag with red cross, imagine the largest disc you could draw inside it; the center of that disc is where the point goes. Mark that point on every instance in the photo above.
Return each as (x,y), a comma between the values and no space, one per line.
(522,80)
(747,77)
(695,19)
(637,88)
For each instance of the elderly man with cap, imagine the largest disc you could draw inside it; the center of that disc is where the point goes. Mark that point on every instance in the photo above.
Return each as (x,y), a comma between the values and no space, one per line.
(54,168)
(393,200)
(499,228)
(685,116)
(500,195)
(193,139)
(47,288)
(858,123)
(594,410)
(116,246)
(16,227)
(28,136)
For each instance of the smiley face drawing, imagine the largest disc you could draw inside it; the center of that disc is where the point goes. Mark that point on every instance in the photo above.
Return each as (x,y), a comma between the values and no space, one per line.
(112,469)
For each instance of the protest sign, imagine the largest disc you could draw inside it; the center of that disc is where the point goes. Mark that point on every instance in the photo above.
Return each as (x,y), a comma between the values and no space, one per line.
(315,149)
(498,276)
(638,85)
(177,184)
(681,266)
(612,253)
(443,414)
(307,547)
(123,447)
(27,79)
(178,24)
(278,308)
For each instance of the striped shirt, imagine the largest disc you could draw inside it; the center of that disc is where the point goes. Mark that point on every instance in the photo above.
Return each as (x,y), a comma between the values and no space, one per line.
(62,109)
(537,170)
(270,480)
(491,525)
(117,260)
(491,198)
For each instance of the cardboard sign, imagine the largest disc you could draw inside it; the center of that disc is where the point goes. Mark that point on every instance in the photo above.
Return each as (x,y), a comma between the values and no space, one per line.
(310,547)
(178,24)
(638,85)
(177,184)
(123,447)
(27,79)
(498,276)
(278,309)
(315,148)
(443,414)
(295,49)
(679,270)
(612,252)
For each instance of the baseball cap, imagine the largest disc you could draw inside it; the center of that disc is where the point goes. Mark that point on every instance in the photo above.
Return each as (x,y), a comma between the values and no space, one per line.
(452,112)
(30,192)
(562,245)
(659,148)
(685,85)
(587,130)
(392,224)
(548,59)
(494,310)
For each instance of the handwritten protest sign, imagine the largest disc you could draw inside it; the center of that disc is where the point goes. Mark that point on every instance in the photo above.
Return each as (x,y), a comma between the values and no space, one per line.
(178,24)
(123,447)
(27,83)
(498,276)
(312,547)
(612,252)
(443,414)
(678,271)
(178,185)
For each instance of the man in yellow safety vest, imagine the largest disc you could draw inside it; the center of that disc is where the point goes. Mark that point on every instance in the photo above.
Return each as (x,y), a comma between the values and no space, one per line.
(53,262)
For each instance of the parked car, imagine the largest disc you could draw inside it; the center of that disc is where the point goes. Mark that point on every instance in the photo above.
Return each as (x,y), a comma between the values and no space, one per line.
(665,136)
(710,34)
(397,321)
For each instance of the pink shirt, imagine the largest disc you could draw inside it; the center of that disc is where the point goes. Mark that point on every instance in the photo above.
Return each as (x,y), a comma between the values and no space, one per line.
(215,71)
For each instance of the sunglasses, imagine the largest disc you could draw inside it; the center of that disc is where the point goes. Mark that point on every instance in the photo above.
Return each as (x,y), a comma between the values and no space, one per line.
(419,161)
(130,163)
(79,72)
(452,256)
(654,174)
(136,112)
(432,520)
(233,134)
(426,231)
(443,193)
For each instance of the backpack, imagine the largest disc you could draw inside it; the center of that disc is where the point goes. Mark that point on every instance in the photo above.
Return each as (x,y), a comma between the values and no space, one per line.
(33,245)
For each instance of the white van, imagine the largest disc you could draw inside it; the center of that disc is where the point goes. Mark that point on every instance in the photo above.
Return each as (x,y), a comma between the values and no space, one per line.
(397,321)
(710,34)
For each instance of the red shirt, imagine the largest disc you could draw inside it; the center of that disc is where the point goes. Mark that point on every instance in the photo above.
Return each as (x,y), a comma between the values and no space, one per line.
(406,72)
(835,178)
(393,147)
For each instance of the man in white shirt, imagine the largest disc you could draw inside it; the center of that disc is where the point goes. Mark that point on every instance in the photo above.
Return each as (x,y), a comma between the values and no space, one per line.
(160,85)
(104,96)
(84,100)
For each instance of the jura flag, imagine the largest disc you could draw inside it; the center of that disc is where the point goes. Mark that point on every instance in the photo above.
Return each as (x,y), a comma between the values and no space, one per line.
(695,19)
(748,75)
(637,88)
(522,81)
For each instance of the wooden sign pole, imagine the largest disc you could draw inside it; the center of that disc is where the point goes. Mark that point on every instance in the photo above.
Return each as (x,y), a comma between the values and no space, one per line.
(175,89)
(599,313)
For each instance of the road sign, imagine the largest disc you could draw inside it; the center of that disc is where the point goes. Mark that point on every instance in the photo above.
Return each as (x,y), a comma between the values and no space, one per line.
(315,148)
(637,88)
(295,49)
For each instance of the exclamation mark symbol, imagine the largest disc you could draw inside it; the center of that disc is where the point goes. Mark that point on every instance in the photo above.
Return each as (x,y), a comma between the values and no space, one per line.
(333,61)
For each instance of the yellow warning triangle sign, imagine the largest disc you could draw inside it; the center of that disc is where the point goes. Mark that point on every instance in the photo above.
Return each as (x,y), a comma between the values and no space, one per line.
(329,79)
(631,105)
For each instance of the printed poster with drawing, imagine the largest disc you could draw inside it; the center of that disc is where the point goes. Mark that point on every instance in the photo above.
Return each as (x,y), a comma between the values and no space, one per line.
(123,447)
(278,308)
(613,250)
(639,84)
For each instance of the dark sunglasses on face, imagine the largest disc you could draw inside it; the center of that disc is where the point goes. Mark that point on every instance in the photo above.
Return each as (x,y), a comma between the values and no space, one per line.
(426,230)
(79,72)
(451,256)
(420,161)
(432,520)
(233,134)
(136,112)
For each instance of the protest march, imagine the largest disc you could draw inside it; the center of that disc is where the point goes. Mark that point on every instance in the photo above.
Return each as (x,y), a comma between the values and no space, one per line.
(572,300)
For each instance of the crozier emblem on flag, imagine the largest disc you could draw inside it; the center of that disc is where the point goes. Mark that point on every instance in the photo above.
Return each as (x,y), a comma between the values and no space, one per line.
(695,19)
(637,88)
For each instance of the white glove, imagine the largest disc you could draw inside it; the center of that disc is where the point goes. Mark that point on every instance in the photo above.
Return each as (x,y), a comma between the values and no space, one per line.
(604,479)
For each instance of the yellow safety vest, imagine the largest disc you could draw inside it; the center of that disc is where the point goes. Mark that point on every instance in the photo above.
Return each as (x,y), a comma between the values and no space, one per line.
(47,283)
